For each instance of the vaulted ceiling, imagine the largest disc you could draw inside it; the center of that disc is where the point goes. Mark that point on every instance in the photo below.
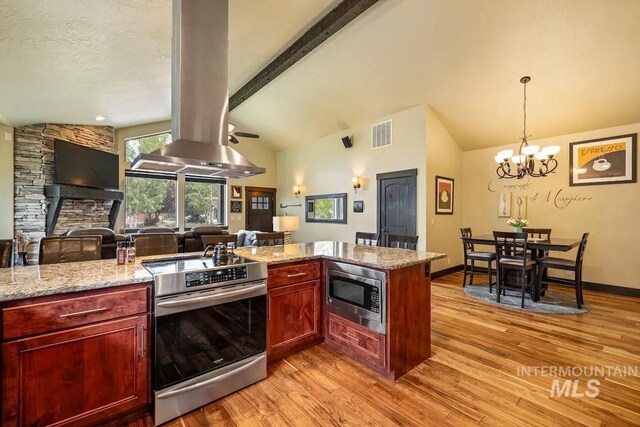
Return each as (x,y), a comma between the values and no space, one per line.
(70,60)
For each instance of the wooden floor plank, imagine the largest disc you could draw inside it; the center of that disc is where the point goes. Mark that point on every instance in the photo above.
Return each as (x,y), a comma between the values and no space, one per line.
(471,379)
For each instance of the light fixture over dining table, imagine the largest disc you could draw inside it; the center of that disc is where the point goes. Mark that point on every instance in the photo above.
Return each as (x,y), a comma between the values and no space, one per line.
(531,160)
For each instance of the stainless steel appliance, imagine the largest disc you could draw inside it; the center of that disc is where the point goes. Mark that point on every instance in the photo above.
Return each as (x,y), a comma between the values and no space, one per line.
(210,320)
(357,294)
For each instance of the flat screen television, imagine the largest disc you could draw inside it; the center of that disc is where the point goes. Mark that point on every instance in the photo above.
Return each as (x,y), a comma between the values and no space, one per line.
(85,167)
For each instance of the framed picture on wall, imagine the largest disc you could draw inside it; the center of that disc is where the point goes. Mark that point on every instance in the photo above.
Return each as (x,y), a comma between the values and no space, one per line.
(520,207)
(504,205)
(236,206)
(236,192)
(611,160)
(444,195)
(358,206)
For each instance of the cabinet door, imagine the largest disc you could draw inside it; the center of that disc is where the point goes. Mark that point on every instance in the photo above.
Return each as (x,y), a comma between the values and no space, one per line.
(77,376)
(294,316)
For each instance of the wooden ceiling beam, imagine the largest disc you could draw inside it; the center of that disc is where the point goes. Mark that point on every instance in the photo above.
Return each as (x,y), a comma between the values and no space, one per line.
(331,23)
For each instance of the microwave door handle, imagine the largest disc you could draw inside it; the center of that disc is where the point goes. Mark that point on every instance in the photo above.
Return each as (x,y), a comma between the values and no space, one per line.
(210,298)
(205,383)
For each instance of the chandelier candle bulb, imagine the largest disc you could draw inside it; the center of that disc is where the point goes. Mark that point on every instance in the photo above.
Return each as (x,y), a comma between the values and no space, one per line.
(551,150)
(505,155)
(530,150)
(542,156)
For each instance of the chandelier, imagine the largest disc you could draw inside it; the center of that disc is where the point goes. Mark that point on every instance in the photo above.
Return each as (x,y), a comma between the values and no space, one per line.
(530,160)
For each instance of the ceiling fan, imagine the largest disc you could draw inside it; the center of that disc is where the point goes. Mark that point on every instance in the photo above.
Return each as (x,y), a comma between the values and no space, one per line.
(233,134)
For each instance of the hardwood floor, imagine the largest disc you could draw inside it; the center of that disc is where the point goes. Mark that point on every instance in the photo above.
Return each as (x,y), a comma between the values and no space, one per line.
(471,379)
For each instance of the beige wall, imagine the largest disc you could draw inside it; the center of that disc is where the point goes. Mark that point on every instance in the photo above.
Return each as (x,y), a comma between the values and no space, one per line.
(609,212)
(6,182)
(324,166)
(444,158)
(252,149)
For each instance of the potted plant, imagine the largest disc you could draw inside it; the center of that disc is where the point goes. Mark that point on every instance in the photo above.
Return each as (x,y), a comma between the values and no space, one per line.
(518,224)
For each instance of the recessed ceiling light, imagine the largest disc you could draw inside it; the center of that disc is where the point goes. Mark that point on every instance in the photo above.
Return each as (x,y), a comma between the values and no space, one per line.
(100,118)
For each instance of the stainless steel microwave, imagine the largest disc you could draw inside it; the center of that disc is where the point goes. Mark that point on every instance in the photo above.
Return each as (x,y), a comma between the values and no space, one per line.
(357,294)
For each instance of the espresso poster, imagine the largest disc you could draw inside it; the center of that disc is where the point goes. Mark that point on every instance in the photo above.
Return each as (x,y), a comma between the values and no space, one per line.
(603,161)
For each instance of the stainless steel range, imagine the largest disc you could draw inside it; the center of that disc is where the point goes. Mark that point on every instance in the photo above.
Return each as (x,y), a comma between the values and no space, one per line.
(210,320)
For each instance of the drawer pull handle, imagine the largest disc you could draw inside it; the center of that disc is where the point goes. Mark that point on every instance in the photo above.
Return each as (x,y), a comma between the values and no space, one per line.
(80,313)
(296,275)
(351,337)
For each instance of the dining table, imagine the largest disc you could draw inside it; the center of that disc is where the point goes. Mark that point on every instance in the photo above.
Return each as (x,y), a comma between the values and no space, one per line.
(537,246)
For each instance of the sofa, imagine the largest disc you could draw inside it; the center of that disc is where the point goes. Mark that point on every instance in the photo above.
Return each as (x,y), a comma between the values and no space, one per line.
(162,230)
(193,238)
(110,239)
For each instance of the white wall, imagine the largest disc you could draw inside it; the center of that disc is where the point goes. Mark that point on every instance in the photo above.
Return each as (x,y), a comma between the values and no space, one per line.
(609,212)
(444,158)
(324,166)
(252,149)
(6,182)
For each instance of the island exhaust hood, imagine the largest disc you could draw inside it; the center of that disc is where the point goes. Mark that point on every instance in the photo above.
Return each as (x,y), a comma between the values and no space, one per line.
(199,97)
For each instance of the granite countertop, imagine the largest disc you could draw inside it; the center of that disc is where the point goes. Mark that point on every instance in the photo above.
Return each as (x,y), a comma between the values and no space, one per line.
(38,280)
(369,256)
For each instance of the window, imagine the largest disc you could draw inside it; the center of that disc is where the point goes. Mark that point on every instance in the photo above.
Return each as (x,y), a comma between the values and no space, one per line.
(203,201)
(150,200)
(260,203)
(145,144)
(326,208)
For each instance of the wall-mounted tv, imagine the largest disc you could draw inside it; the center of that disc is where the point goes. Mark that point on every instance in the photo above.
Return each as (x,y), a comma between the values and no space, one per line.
(85,167)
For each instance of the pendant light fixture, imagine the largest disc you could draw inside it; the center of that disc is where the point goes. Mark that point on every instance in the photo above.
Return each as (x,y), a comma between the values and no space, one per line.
(530,160)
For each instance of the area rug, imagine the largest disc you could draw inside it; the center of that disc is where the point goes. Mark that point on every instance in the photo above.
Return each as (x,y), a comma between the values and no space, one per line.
(550,303)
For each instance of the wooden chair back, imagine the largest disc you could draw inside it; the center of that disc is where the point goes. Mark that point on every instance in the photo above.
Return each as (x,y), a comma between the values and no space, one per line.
(61,249)
(402,241)
(370,239)
(270,239)
(510,245)
(538,233)
(465,233)
(581,249)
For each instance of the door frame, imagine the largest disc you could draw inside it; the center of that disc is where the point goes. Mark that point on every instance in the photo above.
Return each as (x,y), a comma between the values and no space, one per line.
(406,173)
(248,189)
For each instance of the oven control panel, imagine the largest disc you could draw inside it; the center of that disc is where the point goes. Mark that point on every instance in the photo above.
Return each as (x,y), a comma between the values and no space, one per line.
(215,276)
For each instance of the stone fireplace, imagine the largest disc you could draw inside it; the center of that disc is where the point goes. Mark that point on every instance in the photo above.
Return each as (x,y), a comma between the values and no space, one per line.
(34,168)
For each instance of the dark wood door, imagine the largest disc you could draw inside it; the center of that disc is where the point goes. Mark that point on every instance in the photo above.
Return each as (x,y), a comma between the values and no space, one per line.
(77,376)
(397,203)
(294,316)
(260,208)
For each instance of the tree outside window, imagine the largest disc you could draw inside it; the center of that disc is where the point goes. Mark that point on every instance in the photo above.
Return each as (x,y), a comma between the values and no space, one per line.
(203,203)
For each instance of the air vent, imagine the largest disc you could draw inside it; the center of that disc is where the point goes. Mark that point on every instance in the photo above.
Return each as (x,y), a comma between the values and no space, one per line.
(381,134)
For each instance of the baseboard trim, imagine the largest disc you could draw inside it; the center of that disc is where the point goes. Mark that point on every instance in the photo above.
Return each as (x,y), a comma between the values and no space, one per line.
(592,286)
(446,271)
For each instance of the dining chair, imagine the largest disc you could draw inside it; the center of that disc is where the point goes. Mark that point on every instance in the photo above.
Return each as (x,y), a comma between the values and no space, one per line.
(471,255)
(270,239)
(214,239)
(402,241)
(61,249)
(155,244)
(538,233)
(512,255)
(566,265)
(6,253)
(369,239)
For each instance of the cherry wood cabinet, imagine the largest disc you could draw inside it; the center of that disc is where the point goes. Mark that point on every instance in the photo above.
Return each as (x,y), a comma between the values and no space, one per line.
(294,309)
(77,375)
(359,342)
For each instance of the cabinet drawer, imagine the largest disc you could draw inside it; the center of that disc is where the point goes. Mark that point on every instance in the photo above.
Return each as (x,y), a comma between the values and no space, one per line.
(357,340)
(36,317)
(294,273)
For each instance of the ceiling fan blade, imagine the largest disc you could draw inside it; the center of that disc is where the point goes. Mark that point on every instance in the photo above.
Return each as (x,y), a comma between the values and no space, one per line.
(234,139)
(246,135)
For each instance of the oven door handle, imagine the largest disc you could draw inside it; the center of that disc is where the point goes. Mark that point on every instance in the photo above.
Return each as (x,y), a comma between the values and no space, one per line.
(210,381)
(180,302)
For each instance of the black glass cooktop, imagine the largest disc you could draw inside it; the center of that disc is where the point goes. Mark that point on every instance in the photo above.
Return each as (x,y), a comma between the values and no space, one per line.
(181,265)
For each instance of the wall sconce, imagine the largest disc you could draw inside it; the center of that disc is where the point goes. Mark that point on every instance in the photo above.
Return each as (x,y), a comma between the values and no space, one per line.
(356,183)
(296,190)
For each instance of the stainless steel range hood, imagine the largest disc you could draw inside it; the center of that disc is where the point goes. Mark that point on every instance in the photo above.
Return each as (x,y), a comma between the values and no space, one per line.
(199,97)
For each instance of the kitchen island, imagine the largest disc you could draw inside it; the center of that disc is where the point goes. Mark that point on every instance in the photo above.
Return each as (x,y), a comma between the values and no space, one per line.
(81,327)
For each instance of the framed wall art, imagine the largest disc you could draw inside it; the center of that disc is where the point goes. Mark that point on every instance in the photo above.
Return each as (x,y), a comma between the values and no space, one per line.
(358,206)
(519,207)
(444,195)
(236,206)
(504,205)
(611,160)
(236,192)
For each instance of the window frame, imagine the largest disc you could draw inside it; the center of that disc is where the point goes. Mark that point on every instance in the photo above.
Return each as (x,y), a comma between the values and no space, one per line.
(124,147)
(150,175)
(223,198)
